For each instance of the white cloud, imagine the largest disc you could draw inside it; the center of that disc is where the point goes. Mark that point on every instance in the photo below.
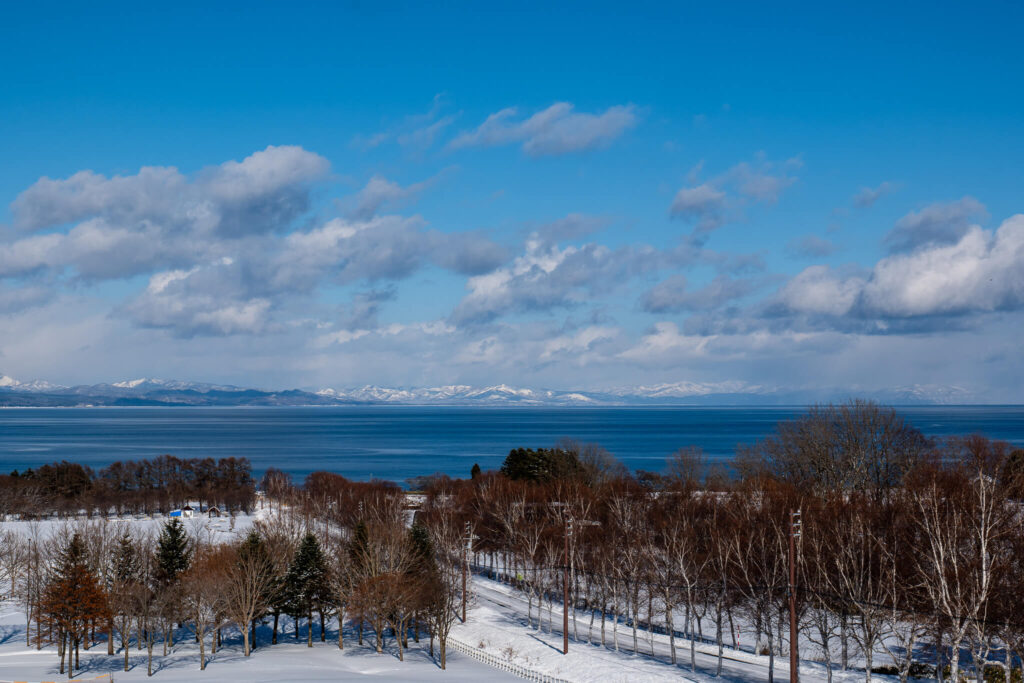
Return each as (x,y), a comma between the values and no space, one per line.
(982,272)
(819,290)
(552,131)
(546,277)
(702,204)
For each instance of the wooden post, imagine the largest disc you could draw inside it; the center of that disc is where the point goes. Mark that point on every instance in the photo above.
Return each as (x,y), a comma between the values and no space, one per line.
(465,567)
(565,585)
(794,652)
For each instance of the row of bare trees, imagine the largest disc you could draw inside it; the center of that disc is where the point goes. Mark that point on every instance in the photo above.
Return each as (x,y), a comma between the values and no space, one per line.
(144,486)
(910,556)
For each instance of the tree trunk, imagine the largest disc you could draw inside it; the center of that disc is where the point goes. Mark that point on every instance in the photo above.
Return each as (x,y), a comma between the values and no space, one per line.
(61,649)
(341,628)
(671,632)
(202,651)
(309,629)
(273,639)
(844,643)
(718,639)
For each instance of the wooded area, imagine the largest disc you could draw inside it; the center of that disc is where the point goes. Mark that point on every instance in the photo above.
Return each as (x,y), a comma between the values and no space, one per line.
(910,557)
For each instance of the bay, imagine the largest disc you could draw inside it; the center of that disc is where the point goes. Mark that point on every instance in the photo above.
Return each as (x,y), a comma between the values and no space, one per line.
(396,442)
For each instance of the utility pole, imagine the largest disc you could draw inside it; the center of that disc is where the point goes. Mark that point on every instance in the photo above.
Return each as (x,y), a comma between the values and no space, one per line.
(794,653)
(465,566)
(565,585)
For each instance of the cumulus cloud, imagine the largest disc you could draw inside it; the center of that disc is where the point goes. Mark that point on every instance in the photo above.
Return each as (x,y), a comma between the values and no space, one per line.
(158,218)
(259,193)
(820,290)
(241,217)
(383,248)
(547,277)
(939,223)
(982,272)
(208,300)
(553,131)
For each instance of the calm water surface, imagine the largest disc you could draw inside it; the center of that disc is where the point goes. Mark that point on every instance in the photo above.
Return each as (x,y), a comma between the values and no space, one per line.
(394,442)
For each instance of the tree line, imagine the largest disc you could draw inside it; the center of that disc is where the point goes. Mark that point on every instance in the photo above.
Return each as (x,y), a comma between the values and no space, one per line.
(151,486)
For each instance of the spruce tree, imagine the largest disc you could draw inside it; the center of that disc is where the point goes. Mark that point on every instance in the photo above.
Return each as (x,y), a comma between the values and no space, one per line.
(172,554)
(125,562)
(422,549)
(306,583)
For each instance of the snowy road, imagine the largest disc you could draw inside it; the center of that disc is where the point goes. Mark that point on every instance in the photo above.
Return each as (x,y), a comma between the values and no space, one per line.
(498,620)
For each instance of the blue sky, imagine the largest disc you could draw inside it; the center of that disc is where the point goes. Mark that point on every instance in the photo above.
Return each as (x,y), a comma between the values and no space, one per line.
(586,196)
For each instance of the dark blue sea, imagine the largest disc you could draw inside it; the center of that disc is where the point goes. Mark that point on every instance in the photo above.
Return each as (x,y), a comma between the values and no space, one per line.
(394,442)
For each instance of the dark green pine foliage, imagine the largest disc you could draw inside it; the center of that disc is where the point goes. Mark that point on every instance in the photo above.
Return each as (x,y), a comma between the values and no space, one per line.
(253,546)
(172,553)
(125,561)
(307,585)
(422,550)
(541,465)
(358,545)
(474,471)
(72,556)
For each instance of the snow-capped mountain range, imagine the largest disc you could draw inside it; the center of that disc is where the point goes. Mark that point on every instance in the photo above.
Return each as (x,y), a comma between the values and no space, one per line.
(147,391)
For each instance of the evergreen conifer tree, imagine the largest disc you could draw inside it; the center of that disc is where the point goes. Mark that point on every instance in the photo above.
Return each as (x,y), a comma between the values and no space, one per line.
(172,554)
(125,562)
(306,584)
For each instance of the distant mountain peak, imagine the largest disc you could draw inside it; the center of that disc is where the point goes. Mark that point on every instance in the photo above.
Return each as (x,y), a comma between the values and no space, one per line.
(152,391)
(7,382)
(132,383)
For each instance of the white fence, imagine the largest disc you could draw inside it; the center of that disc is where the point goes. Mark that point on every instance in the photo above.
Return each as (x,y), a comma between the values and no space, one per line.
(501,664)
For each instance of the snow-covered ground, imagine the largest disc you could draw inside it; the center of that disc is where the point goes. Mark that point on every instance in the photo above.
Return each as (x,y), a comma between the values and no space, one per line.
(497,626)
(497,620)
